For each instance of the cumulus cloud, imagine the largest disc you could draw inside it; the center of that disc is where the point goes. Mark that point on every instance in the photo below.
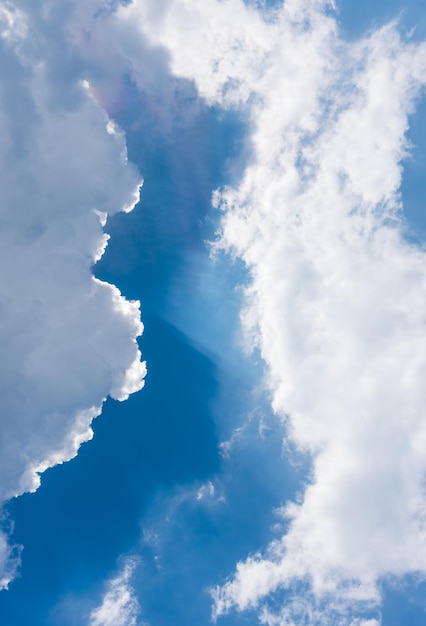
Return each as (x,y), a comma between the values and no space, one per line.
(336,296)
(335,301)
(120,606)
(231,40)
(68,339)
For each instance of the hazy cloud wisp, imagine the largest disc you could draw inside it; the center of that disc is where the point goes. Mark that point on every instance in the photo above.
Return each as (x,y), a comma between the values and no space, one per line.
(119,606)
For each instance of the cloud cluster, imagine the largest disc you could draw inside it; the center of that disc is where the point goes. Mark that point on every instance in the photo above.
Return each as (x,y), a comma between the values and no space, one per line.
(336,296)
(336,307)
(336,300)
(68,340)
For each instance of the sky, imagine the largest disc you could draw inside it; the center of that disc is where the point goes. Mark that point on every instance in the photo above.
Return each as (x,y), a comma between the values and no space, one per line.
(213,319)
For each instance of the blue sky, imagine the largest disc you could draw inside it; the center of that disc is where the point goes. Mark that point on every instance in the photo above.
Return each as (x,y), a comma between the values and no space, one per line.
(283,369)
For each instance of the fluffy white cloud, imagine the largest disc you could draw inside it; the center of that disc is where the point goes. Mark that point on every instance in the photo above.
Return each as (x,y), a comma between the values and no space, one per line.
(67,339)
(336,300)
(230,38)
(336,307)
(120,606)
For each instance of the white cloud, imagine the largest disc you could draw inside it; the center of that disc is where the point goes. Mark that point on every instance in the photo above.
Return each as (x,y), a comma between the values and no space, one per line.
(120,606)
(205,491)
(336,296)
(336,301)
(231,42)
(9,561)
(67,339)
(307,611)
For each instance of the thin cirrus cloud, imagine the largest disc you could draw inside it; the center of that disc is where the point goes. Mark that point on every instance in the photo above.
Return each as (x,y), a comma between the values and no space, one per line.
(336,296)
(119,606)
(68,340)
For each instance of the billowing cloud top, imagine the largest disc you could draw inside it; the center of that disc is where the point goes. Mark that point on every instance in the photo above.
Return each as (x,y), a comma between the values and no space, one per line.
(68,340)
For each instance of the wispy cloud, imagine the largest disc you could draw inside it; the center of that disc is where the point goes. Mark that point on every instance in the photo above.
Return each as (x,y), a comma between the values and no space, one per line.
(120,606)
